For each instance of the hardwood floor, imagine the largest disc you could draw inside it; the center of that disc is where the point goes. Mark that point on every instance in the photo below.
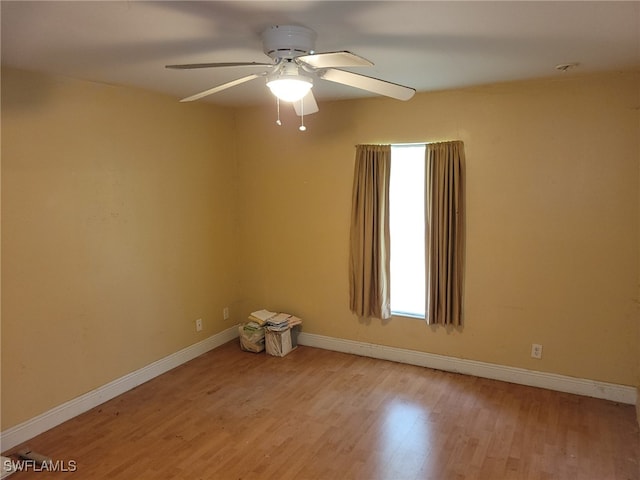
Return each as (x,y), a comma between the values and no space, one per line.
(316,414)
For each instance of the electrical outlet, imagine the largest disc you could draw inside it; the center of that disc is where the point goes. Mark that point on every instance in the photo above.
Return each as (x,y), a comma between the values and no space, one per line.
(225,313)
(199,325)
(536,351)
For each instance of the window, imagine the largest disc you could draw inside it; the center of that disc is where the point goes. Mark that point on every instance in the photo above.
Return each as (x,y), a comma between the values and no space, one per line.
(407,199)
(406,225)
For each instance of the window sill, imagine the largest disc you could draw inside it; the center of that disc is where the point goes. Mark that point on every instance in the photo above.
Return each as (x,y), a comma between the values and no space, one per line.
(408,315)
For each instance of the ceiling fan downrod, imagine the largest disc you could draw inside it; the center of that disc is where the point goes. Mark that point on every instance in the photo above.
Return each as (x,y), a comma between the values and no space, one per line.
(288,41)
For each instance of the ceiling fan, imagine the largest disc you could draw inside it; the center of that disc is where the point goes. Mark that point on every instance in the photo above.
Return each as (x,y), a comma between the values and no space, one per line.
(294,67)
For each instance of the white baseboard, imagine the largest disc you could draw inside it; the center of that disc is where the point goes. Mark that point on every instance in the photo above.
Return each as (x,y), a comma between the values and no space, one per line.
(35,426)
(551,381)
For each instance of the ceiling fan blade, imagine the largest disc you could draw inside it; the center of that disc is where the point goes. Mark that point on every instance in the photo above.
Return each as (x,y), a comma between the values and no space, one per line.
(375,85)
(188,66)
(219,88)
(307,105)
(335,59)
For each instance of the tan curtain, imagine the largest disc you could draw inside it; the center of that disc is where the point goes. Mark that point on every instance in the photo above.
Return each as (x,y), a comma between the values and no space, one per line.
(445,231)
(369,238)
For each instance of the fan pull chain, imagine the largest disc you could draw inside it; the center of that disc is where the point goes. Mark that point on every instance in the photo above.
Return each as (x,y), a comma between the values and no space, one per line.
(302,128)
(278,122)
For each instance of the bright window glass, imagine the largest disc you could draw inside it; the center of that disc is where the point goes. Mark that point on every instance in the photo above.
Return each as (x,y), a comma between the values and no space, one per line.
(406,223)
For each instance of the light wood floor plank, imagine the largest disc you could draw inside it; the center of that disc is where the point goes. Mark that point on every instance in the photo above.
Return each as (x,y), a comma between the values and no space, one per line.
(316,414)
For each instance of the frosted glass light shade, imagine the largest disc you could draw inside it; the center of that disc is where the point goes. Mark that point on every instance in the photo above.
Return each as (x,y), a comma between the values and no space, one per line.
(290,88)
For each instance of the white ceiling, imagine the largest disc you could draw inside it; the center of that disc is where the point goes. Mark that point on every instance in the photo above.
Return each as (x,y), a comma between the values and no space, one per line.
(422,44)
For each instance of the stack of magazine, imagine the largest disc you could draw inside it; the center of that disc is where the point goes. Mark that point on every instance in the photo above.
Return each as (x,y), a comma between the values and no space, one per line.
(271,331)
(276,322)
(281,322)
(251,337)
(260,317)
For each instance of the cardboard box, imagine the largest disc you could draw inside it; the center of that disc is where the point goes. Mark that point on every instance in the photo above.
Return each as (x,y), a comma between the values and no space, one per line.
(281,343)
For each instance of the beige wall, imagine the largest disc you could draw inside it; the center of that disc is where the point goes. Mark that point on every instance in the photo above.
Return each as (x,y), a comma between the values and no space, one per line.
(552,254)
(127,215)
(119,218)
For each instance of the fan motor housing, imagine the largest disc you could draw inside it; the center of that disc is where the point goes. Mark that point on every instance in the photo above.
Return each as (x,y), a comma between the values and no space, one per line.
(288,41)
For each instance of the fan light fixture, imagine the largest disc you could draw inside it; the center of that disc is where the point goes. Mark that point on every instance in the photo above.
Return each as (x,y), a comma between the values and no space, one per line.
(287,84)
(290,88)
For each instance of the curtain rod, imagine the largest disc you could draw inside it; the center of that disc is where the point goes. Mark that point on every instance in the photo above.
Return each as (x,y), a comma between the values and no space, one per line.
(394,144)
(410,144)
